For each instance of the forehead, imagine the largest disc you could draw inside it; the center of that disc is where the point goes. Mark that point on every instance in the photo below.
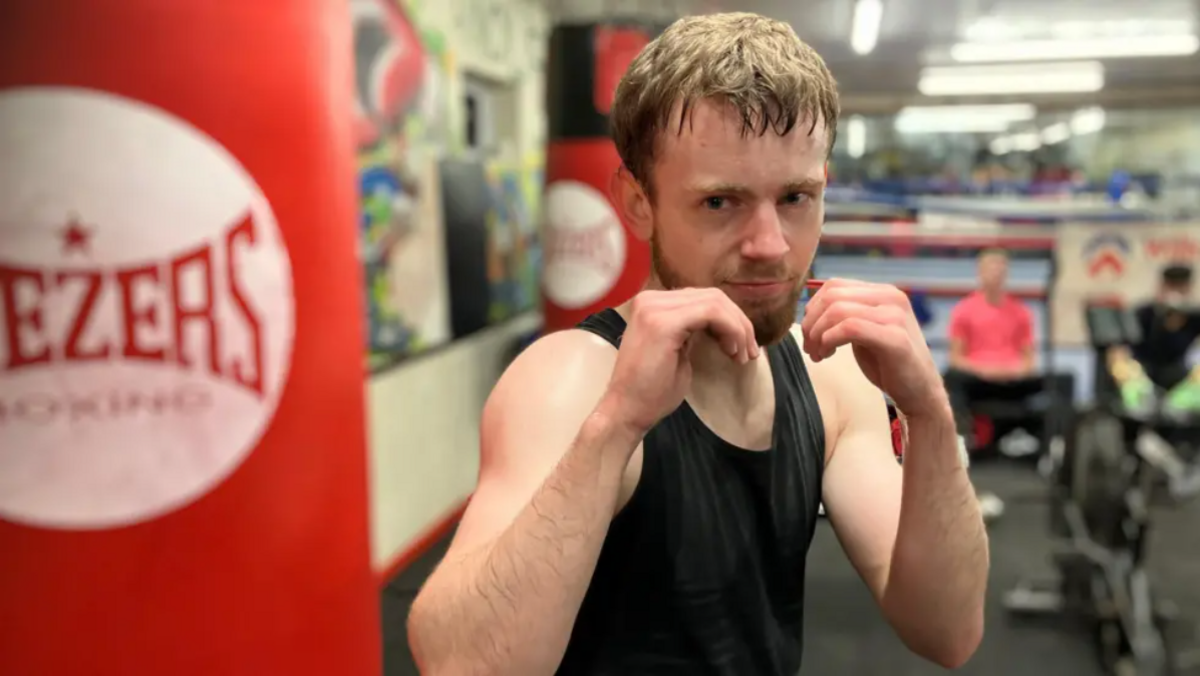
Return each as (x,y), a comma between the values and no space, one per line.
(712,144)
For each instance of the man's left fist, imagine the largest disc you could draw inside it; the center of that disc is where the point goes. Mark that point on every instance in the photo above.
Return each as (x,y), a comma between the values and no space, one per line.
(877,321)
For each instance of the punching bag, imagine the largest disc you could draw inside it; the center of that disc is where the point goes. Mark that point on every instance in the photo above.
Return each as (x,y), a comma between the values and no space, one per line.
(182,442)
(591,260)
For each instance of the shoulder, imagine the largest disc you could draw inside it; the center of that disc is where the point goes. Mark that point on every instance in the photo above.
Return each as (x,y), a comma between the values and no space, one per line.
(966,304)
(1019,307)
(555,370)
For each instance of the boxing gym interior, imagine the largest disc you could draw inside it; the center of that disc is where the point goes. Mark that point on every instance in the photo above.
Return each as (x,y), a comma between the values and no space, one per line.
(262,264)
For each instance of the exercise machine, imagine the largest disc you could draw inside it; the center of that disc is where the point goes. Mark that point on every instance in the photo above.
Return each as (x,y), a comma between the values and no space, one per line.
(1102,477)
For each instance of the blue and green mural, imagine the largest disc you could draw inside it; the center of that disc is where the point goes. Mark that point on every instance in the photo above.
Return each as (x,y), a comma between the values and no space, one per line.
(401,103)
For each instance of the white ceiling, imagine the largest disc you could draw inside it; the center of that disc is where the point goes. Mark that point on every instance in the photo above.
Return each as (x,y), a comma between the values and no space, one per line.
(917,33)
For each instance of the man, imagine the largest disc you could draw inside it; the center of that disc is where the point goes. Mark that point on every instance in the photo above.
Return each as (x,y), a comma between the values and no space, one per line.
(991,344)
(1169,327)
(649,484)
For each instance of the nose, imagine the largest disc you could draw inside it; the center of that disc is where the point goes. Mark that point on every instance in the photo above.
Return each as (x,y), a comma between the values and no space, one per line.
(764,235)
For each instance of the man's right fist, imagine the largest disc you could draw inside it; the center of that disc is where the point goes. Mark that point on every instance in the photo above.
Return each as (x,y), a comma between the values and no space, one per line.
(653,372)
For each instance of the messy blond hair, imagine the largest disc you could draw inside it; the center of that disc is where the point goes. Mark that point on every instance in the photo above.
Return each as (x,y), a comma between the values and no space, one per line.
(757,65)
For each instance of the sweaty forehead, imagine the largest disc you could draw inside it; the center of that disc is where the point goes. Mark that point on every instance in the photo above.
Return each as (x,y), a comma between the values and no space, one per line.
(712,141)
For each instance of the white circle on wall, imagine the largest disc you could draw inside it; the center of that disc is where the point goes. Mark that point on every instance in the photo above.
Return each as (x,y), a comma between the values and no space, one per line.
(584,247)
(147,311)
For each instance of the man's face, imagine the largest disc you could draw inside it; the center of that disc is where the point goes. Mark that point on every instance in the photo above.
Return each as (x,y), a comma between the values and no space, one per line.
(1176,293)
(740,212)
(993,272)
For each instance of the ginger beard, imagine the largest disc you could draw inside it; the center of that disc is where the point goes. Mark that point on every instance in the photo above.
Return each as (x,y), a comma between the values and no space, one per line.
(771,318)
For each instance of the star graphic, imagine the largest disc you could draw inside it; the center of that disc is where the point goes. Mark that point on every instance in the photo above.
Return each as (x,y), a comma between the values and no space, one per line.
(75,236)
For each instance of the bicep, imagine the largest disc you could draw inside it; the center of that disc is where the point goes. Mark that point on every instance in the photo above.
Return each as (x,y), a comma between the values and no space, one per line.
(530,420)
(863,483)
(1025,329)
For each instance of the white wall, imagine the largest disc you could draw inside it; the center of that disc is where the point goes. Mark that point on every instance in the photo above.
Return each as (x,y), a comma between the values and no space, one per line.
(424,415)
(424,435)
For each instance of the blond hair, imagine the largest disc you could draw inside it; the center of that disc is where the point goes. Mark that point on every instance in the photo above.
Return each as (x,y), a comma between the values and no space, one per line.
(755,64)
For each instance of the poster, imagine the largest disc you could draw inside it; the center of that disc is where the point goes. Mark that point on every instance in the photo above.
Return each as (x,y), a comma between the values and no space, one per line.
(514,251)
(401,113)
(492,250)
(1117,262)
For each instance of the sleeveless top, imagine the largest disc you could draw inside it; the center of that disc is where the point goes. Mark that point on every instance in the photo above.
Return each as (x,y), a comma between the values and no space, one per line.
(703,570)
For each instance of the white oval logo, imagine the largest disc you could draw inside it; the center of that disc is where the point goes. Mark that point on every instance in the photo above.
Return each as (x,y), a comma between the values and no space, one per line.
(146,311)
(584,247)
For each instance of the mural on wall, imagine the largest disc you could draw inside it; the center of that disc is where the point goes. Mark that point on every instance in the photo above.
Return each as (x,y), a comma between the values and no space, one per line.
(401,113)
(514,250)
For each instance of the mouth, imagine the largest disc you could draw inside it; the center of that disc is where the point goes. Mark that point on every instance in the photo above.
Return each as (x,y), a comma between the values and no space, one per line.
(761,288)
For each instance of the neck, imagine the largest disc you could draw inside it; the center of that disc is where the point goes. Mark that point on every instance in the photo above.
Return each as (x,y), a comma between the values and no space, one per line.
(993,295)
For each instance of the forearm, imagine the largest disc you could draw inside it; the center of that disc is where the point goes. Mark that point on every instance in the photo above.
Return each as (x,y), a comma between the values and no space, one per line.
(938,575)
(509,608)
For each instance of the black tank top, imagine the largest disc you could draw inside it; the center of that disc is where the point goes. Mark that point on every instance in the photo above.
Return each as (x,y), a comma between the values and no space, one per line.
(703,570)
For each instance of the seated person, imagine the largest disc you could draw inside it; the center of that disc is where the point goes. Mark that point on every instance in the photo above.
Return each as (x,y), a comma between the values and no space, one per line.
(991,345)
(1169,327)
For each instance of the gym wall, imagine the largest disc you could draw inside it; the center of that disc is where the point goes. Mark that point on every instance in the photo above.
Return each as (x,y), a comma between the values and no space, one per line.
(423,410)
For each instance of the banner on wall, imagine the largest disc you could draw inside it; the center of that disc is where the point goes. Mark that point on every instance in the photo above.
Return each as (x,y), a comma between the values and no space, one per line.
(1120,262)
(401,109)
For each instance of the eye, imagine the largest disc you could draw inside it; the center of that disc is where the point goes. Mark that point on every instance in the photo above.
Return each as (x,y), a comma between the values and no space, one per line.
(715,203)
(795,198)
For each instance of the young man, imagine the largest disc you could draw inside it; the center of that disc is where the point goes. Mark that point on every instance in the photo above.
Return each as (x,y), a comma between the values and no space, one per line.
(991,344)
(649,483)
(1170,328)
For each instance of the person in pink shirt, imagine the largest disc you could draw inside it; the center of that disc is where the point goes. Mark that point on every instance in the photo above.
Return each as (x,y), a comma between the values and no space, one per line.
(991,345)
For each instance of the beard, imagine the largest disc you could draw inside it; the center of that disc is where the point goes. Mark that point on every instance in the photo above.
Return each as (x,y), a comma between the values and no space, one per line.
(771,318)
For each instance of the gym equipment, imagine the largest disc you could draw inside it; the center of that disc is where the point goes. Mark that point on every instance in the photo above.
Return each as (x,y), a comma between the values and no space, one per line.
(591,261)
(189,500)
(1102,480)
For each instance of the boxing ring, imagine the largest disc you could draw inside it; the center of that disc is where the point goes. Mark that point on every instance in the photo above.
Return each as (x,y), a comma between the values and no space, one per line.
(937,267)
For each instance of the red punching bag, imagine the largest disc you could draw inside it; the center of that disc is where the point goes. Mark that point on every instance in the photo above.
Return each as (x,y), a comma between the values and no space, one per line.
(182,443)
(591,259)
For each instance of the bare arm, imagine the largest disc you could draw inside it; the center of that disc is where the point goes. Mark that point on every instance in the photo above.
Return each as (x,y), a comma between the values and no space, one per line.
(913,532)
(1028,348)
(958,356)
(957,333)
(505,598)
(557,434)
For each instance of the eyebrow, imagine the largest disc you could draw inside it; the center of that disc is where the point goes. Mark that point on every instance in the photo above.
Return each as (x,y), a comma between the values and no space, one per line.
(806,185)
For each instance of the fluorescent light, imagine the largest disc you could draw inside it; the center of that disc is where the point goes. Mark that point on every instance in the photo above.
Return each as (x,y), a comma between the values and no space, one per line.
(1051,50)
(1087,121)
(1056,133)
(962,119)
(996,29)
(856,137)
(1041,78)
(1008,111)
(1001,145)
(864,30)
(1027,142)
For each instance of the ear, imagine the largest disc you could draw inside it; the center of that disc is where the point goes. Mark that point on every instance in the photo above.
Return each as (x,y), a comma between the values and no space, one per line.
(632,203)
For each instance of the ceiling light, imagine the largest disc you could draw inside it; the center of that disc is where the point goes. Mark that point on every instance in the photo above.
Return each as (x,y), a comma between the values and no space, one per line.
(1027,142)
(856,137)
(1056,133)
(961,119)
(1040,78)
(996,29)
(1008,111)
(1000,145)
(864,30)
(1050,50)
(1087,121)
